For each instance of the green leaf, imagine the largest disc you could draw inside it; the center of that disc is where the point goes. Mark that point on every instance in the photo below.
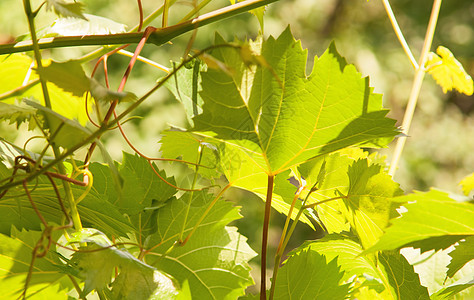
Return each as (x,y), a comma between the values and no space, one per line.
(288,116)
(404,282)
(15,258)
(69,76)
(368,202)
(329,172)
(64,9)
(101,93)
(17,114)
(467,184)
(136,279)
(448,71)
(450,291)
(214,260)
(430,215)
(64,132)
(310,275)
(346,251)
(461,255)
(186,146)
(185,86)
(15,72)
(91,25)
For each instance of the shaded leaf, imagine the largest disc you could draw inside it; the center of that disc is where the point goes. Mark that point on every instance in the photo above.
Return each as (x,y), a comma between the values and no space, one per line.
(368,202)
(448,71)
(310,275)
(101,93)
(69,76)
(64,9)
(404,282)
(17,114)
(185,86)
(461,255)
(89,26)
(450,291)
(431,214)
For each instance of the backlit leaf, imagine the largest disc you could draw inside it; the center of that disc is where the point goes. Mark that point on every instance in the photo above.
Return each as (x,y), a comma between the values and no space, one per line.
(467,184)
(448,71)
(288,116)
(89,26)
(431,215)
(310,275)
(65,9)
(17,114)
(214,260)
(67,75)
(461,255)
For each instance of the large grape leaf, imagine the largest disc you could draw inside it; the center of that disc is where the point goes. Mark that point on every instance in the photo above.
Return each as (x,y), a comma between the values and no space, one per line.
(433,221)
(284,117)
(310,275)
(66,9)
(14,69)
(214,260)
(15,258)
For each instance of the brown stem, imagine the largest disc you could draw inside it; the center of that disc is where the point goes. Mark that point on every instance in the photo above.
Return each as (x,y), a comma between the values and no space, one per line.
(266,221)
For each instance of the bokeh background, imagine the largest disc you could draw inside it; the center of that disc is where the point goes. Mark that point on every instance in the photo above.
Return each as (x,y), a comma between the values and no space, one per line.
(440,148)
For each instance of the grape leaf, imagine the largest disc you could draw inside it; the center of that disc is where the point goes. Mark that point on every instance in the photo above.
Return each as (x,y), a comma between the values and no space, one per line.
(451,291)
(288,116)
(461,255)
(64,132)
(448,71)
(310,275)
(17,114)
(347,251)
(89,26)
(15,68)
(467,184)
(214,260)
(185,86)
(15,258)
(64,9)
(67,75)
(430,215)
(368,204)
(136,279)
(404,282)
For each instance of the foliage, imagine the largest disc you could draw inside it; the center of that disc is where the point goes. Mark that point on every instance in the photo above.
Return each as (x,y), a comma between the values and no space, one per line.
(164,227)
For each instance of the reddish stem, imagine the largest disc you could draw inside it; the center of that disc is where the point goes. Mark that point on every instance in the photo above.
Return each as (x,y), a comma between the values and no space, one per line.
(266,222)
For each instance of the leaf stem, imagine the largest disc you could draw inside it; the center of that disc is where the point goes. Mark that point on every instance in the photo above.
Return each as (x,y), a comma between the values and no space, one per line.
(266,222)
(416,87)
(62,170)
(399,33)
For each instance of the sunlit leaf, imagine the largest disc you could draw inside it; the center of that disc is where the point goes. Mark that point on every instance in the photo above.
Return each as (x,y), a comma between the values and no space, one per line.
(89,26)
(310,275)
(214,260)
(67,75)
(288,116)
(448,71)
(433,218)
(66,9)
(467,184)
(15,258)
(64,132)
(15,71)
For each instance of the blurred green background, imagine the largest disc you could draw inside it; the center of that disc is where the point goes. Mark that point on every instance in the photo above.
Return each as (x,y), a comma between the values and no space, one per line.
(440,148)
